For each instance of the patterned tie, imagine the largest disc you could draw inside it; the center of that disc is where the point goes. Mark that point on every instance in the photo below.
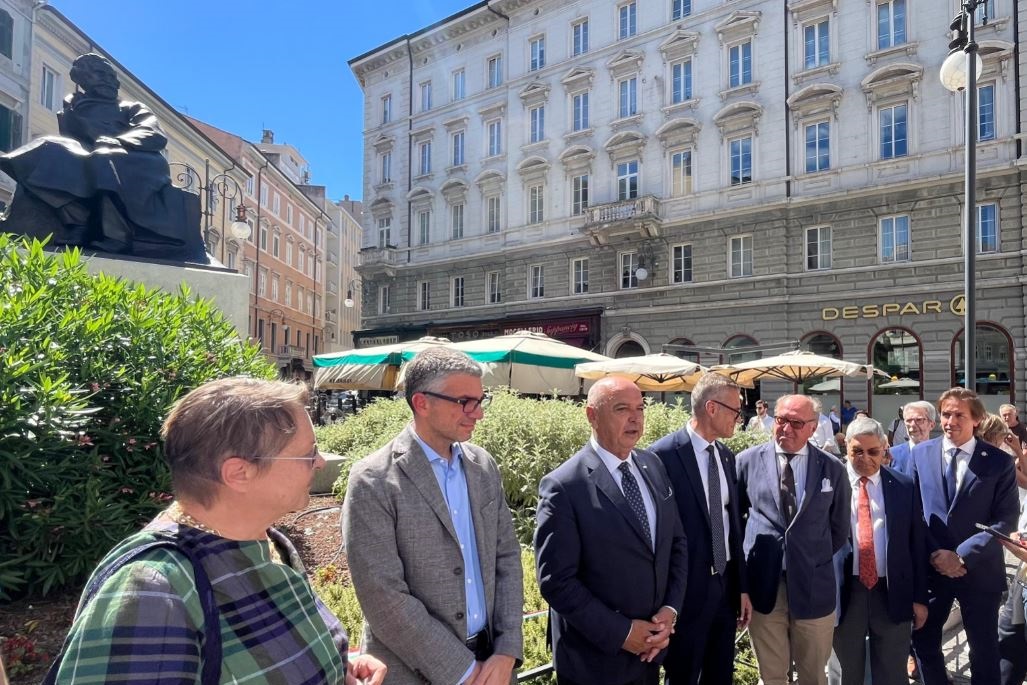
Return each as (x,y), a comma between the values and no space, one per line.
(716,513)
(634,497)
(950,476)
(789,503)
(865,530)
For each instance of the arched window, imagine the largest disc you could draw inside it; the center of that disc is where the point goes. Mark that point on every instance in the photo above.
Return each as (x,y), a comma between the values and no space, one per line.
(690,356)
(629,348)
(829,390)
(736,357)
(899,353)
(994,365)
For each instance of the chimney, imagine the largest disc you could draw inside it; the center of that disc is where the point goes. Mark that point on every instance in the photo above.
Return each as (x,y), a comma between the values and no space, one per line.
(345,198)
(268,137)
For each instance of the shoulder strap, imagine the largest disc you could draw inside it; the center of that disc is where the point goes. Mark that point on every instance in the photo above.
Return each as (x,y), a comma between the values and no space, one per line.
(210,651)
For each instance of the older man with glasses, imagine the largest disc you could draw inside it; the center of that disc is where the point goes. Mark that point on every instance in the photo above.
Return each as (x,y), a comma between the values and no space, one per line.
(430,541)
(919,419)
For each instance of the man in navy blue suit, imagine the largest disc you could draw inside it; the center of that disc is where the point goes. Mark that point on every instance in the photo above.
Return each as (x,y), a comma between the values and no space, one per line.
(795,498)
(963,482)
(920,419)
(882,569)
(610,552)
(702,472)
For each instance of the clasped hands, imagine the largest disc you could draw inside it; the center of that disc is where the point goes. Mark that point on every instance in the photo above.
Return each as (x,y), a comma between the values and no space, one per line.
(649,638)
(948,563)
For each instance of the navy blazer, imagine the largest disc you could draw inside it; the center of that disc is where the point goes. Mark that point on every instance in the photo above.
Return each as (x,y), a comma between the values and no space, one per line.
(906,571)
(988,495)
(807,546)
(597,570)
(678,457)
(902,459)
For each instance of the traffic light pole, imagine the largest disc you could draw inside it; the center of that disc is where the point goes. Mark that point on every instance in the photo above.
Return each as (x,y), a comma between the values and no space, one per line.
(970,207)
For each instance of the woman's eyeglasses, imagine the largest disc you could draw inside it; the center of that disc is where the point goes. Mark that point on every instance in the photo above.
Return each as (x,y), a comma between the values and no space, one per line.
(311,458)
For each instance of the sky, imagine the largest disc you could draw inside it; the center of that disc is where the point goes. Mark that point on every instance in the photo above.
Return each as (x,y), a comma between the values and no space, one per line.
(246,65)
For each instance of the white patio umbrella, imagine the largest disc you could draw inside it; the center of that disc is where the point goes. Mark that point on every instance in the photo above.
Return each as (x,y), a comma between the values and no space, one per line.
(900,384)
(370,368)
(797,366)
(832,385)
(652,373)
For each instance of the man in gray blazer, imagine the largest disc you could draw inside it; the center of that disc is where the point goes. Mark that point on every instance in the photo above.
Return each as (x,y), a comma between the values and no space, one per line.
(430,541)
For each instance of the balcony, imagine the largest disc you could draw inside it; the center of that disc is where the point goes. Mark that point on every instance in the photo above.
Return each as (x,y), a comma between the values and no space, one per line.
(287,352)
(333,288)
(379,260)
(638,217)
(333,259)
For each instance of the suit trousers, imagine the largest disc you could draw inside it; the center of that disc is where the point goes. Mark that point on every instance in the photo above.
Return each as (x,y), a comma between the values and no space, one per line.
(650,677)
(778,640)
(980,617)
(702,649)
(867,615)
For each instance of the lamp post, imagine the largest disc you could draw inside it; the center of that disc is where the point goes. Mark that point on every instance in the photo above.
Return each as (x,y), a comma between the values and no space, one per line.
(209,190)
(354,284)
(959,72)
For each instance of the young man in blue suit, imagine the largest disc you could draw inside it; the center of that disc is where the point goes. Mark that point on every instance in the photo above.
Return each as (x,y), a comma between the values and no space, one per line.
(920,419)
(963,482)
(795,499)
(702,473)
(882,569)
(609,548)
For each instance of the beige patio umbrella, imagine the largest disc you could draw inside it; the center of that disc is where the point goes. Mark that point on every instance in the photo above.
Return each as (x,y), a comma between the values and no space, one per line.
(652,373)
(797,366)
(370,368)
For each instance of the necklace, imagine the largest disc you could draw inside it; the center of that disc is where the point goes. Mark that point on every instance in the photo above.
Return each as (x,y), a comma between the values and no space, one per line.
(177,514)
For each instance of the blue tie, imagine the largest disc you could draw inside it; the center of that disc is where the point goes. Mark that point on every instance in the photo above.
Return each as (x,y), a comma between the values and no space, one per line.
(634,497)
(950,476)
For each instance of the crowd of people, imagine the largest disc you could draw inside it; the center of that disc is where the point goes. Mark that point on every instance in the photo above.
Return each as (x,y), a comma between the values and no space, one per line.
(647,558)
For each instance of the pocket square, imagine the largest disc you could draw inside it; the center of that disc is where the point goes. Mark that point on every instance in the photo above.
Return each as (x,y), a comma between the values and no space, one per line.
(825,486)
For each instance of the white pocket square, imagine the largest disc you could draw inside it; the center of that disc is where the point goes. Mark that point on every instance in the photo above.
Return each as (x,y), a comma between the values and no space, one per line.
(825,486)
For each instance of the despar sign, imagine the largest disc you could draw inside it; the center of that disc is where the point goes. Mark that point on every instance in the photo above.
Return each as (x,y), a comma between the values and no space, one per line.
(956,305)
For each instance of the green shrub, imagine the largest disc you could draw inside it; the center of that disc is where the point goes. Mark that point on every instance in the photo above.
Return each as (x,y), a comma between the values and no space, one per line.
(88,367)
(336,591)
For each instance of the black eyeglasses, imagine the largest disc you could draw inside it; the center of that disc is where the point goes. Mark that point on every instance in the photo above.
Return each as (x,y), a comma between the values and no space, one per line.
(311,458)
(738,412)
(468,404)
(796,424)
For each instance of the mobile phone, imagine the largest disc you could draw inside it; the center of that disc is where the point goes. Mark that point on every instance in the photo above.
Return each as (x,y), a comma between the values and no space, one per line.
(1000,535)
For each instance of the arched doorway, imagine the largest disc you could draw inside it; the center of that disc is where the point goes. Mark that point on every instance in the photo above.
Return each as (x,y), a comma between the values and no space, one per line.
(629,348)
(993,365)
(900,354)
(681,354)
(827,390)
(749,395)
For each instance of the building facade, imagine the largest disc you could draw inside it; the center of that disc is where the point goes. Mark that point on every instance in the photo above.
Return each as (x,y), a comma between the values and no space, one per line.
(17,20)
(342,284)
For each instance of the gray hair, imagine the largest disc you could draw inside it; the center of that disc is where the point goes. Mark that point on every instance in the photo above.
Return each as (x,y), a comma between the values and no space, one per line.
(804,398)
(863,425)
(818,406)
(433,365)
(1009,406)
(707,388)
(923,406)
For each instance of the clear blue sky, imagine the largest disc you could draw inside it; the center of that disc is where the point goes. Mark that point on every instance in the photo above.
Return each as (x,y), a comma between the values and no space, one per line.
(245,65)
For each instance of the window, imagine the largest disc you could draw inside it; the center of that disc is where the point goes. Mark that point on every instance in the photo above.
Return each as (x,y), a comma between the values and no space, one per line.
(262,283)
(300,299)
(985,9)
(681,81)
(629,263)
(276,204)
(579,194)
(385,232)
(492,217)
(385,166)
(386,109)
(288,252)
(891,23)
(818,144)
(537,117)
(458,148)
(288,294)
(681,172)
(740,64)
(249,186)
(894,239)
(311,266)
(425,154)
(679,9)
(492,286)
(626,19)
(301,263)
(741,161)
(456,290)
(681,264)
(456,221)
(10,125)
(263,196)
(627,180)
(536,281)
(288,214)
(537,50)
(628,97)
(263,238)
(459,85)
(986,112)
(384,299)
(741,256)
(579,39)
(49,95)
(495,136)
(818,248)
(426,96)
(579,276)
(893,131)
(6,35)
(987,229)
(495,71)
(816,40)
(424,296)
(310,304)
(423,226)
(579,105)
(535,204)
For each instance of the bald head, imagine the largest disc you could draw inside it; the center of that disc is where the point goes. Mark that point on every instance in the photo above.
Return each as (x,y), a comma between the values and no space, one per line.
(615,410)
(606,387)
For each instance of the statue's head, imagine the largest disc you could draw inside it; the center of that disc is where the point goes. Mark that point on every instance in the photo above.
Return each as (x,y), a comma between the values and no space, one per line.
(95,75)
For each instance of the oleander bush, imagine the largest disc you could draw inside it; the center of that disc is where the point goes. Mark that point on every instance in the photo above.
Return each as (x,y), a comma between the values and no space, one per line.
(89,365)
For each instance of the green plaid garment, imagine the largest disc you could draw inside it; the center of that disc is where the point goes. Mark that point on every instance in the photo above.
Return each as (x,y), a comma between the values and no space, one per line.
(145,625)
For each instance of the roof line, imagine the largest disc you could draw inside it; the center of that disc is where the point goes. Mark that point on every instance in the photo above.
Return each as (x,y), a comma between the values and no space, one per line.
(408,36)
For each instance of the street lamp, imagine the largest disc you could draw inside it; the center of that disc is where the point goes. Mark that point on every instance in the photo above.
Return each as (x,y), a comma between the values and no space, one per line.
(354,284)
(960,72)
(210,188)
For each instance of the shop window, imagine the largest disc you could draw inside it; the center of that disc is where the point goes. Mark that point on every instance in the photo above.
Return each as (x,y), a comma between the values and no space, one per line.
(898,353)
(993,367)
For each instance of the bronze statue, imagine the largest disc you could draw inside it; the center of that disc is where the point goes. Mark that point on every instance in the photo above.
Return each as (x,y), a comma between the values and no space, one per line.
(104,183)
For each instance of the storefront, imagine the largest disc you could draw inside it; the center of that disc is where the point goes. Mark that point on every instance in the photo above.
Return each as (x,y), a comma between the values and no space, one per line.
(579,328)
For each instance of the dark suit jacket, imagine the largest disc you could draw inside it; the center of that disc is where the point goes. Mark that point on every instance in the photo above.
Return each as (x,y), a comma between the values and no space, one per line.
(678,457)
(988,496)
(902,459)
(906,572)
(819,529)
(597,570)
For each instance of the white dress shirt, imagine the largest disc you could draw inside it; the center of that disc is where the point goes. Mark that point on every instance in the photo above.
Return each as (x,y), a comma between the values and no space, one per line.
(824,435)
(962,458)
(702,458)
(612,463)
(877,519)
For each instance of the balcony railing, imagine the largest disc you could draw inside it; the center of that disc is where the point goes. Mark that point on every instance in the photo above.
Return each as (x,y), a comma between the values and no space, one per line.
(376,259)
(292,351)
(639,215)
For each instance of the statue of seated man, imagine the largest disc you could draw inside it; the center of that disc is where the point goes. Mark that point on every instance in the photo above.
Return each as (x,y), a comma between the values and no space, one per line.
(105,177)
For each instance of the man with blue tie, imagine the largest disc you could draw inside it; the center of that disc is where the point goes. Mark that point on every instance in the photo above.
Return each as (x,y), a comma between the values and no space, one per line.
(963,482)
(919,418)
(795,498)
(610,552)
(702,472)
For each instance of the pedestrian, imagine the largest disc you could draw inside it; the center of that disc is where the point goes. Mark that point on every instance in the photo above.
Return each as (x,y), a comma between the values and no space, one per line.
(897,429)
(848,413)
(762,421)
(919,419)
(836,420)
(823,436)
(1011,415)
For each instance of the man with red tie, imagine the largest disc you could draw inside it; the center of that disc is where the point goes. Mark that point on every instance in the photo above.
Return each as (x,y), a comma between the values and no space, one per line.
(882,570)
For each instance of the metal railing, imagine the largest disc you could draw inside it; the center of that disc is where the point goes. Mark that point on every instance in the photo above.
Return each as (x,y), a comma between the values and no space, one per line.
(624,210)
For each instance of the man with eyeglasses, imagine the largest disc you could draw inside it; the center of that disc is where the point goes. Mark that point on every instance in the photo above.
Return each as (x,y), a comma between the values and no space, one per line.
(430,541)
(919,419)
(795,500)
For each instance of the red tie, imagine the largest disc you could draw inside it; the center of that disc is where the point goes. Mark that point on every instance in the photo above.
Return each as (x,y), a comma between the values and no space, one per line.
(865,530)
